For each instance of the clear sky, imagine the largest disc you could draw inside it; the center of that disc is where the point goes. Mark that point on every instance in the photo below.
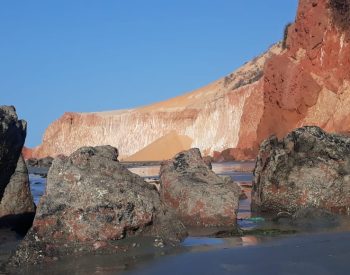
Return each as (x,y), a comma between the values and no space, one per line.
(84,55)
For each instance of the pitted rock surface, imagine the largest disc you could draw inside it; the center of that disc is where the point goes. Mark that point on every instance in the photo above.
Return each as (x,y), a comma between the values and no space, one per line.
(199,197)
(91,197)
(16,202)
(308,168)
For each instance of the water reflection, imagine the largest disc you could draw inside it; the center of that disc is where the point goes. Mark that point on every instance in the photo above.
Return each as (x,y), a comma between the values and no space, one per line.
(37,186)
(233,166)
(250,240)
(146,171)
(239,171)
(195,241)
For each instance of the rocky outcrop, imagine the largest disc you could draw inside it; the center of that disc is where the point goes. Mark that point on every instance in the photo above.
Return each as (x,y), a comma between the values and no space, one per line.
(308,83)
(199,197)
(17,208)
(92,201)
(12,136)
(308,168)
(303,81)
(16,202)
(232,154)
(40,163)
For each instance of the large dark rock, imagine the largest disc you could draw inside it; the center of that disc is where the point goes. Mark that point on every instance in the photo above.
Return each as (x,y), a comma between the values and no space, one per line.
(12,137)
(308,168)
(91,201)
(199,197)
(16,203)
(17,208)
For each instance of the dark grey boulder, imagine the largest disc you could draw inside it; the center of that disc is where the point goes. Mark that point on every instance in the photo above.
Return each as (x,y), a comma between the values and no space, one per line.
(40,163)
(16,202)
(308,168)
(12,136)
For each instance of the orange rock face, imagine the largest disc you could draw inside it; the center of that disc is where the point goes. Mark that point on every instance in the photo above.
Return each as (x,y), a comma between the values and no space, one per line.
(307,83)
(27,152)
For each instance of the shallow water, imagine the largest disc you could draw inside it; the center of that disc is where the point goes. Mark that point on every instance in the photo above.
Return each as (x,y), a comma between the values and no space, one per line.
(187,257)
(239,172)
(37,186)
(321,254)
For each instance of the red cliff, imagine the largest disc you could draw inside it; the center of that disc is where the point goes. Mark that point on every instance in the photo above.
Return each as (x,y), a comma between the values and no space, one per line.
(306,82)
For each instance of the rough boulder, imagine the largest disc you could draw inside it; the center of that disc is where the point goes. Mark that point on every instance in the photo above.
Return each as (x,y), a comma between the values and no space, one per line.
(198,195)
(308,168)
(90,202)
(16,203)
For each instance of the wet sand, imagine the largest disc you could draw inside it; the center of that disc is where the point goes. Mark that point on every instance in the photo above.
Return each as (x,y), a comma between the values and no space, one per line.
(320,254)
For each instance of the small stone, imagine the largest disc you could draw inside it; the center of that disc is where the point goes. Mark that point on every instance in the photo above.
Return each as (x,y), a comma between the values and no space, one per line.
(99,244)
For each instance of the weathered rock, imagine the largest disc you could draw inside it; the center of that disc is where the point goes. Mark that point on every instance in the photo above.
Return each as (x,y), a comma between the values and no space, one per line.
(199,197)
(17,208)
(309,217)
(32,162)
(208,160)
(233,154)
(40,163)
(90,197)
(12,136)
(45,162)
(308,168)
(312,217)
(16,202)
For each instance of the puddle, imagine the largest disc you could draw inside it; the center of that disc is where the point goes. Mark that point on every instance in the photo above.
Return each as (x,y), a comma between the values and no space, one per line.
(196,241)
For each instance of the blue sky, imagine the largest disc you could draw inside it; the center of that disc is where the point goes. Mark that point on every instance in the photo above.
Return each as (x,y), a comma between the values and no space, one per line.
(84,55)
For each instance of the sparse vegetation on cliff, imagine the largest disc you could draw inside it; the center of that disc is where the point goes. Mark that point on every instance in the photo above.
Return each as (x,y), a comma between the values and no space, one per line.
(243,79)
(255,77)
(285,35)
(341,13)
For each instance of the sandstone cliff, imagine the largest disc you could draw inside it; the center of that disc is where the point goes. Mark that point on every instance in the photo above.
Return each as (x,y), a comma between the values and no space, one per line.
(307,82)
(209,117)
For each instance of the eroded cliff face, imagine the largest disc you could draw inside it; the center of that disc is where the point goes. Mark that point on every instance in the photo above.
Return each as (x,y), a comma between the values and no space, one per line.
(307,83)
(210,117)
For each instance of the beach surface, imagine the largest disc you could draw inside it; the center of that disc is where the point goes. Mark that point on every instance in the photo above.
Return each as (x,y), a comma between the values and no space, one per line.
(277,249)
